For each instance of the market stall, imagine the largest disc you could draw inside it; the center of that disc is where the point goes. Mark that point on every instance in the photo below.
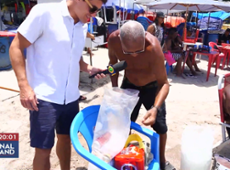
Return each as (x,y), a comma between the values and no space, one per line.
(211,24)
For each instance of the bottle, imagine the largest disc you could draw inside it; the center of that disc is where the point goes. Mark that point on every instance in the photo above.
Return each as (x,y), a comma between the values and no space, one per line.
(100,141)
(96,150)
(100,155)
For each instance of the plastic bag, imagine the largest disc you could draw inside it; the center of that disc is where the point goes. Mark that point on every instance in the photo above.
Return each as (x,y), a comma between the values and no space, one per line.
(113,123)
(196,148)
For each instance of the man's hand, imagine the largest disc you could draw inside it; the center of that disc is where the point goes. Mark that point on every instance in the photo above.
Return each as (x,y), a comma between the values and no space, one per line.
(28,98)
(92,37)
(94,70)
(150,117)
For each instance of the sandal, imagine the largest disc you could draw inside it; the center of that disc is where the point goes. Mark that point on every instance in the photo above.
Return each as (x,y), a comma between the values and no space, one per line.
(167,166)
(81,98)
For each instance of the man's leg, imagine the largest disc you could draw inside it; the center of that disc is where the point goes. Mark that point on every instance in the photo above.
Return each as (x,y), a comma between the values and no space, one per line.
(161,128)
(63,150)
(42,124)
(163,138)
(41,159)
(63,124)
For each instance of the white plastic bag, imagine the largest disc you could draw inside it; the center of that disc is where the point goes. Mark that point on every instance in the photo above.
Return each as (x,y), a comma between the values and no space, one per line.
(196,148)
(113,123)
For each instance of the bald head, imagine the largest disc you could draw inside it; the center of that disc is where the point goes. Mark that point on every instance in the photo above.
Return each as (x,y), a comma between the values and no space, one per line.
(132,31)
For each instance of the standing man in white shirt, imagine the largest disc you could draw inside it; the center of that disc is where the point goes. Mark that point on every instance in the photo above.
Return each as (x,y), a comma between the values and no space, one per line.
(54,35)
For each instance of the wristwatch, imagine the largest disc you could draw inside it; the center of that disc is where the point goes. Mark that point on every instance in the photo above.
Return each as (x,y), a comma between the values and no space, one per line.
(158,109)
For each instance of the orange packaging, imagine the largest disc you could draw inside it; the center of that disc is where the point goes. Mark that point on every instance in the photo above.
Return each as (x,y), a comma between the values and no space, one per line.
(131,157)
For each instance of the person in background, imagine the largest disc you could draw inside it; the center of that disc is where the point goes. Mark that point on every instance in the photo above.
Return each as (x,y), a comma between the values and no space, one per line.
(224,38)
(2,25)
(54,35)
(143,20)
(178,45)
(92,37)
(157,28)
(173,43)
(226,106)
(174,48)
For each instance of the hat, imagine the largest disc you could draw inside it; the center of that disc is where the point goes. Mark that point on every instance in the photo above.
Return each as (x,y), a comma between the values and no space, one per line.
(160,14)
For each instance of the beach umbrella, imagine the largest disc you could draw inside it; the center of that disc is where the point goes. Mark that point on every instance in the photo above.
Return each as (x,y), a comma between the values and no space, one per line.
(191,5)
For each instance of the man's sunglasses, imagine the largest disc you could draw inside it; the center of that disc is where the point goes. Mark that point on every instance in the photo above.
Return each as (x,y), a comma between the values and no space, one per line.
(93,9)
(136,52)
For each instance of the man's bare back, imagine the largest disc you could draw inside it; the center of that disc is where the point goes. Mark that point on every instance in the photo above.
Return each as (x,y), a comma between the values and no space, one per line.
(144,68)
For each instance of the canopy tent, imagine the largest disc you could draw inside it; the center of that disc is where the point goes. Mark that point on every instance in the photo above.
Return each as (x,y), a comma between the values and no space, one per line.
(210,23)
(220,14)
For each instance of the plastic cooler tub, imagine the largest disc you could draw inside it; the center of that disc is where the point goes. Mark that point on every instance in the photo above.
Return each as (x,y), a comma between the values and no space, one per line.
(5,63)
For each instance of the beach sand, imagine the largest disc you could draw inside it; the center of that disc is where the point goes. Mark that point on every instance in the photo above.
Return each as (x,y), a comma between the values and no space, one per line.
(191,101)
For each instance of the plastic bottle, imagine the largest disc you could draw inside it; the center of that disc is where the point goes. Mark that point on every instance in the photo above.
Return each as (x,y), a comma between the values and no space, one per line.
(97,151)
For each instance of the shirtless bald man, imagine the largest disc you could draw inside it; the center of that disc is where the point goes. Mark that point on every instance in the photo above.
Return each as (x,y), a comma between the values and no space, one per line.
(146,73)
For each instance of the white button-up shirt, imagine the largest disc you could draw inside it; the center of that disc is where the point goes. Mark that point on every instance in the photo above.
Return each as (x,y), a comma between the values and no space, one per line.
(52,63)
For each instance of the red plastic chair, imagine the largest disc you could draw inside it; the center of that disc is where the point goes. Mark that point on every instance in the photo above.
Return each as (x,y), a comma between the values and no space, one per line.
(227,53)
(220,56)
(190,40)
(223,81)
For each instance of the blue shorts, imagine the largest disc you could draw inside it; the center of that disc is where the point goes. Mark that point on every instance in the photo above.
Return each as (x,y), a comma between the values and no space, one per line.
(50,116)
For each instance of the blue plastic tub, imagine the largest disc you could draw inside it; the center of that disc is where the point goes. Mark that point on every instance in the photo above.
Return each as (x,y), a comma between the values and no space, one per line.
(5,63)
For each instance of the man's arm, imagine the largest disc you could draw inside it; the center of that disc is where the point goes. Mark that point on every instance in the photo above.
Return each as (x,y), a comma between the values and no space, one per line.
(91,36)
(167,45)
(90,69)
(112,60)
(157,63)
(27,96)
(151,29)
(160,73)
(18,59)
(84,66)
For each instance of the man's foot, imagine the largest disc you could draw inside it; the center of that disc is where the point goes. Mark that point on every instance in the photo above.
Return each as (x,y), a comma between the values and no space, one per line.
(167,166)
(190,75)
(197,70)
(81,98)
(194,73)
(180,75)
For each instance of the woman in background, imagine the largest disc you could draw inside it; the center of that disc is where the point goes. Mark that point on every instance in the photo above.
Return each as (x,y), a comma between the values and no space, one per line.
(157,28)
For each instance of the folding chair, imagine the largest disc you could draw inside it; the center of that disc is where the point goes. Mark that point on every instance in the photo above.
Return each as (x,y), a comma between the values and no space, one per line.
(220,56)
(85,121)
(222,82)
